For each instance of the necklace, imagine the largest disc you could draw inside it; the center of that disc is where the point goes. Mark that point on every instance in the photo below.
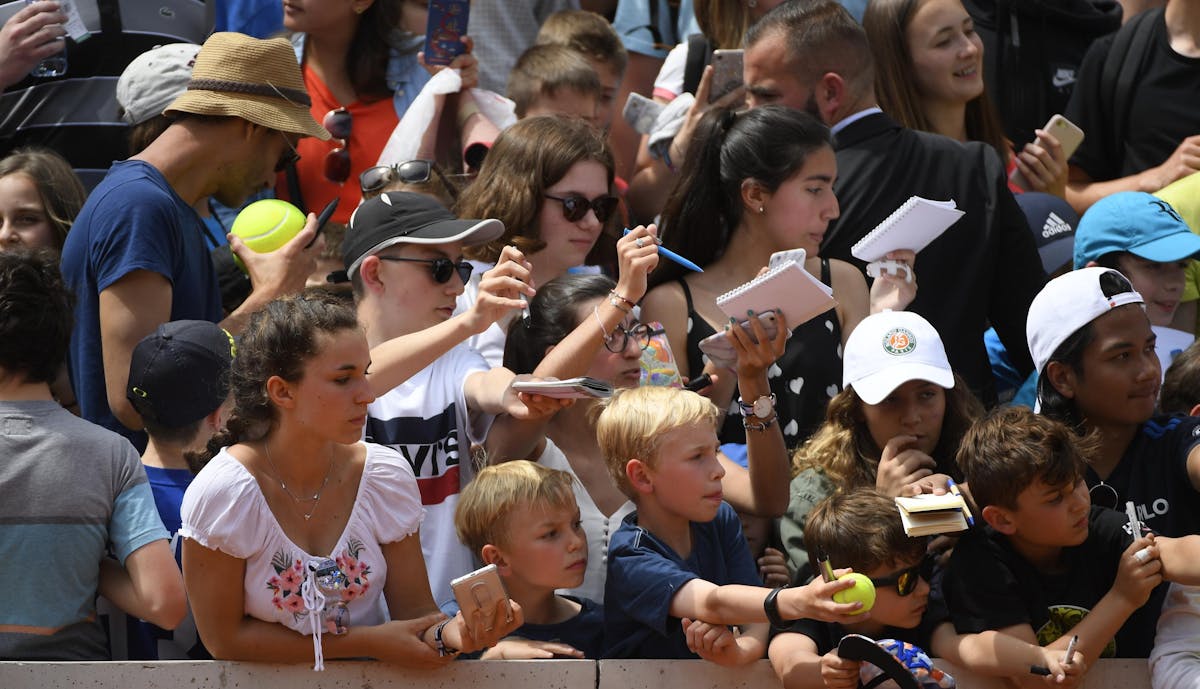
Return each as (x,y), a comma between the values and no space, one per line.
(316,497)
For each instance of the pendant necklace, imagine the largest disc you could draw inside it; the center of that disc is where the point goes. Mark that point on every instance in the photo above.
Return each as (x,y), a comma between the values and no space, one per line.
(316,497)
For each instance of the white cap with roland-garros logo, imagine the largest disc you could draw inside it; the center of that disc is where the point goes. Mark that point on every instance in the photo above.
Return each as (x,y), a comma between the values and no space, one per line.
(888,349)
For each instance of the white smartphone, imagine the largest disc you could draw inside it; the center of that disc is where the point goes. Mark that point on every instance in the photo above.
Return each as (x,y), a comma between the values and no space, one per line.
(720,350)
(727,73)
(641,112)
(480,590)
(1069,137)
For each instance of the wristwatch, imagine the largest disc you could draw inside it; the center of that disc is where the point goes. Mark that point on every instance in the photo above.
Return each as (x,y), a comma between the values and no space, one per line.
(762,407)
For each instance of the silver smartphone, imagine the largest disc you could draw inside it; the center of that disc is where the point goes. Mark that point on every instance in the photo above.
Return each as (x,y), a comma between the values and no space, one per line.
(1069,137)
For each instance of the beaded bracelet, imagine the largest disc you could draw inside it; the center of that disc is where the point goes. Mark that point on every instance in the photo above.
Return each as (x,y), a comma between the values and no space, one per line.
(627,301)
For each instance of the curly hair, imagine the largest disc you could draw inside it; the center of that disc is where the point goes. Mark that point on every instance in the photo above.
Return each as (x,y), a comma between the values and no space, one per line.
(35,315)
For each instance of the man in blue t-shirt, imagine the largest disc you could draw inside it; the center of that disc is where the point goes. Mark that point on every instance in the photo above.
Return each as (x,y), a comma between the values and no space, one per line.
(136,255)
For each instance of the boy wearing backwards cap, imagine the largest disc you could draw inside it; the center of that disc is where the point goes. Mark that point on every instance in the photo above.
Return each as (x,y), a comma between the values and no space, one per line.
(403,257)
(138,257)
(178,383)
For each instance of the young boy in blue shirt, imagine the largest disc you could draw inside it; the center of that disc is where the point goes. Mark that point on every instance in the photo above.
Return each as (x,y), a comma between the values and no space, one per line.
(1048,566)
(679,569)
(522,517)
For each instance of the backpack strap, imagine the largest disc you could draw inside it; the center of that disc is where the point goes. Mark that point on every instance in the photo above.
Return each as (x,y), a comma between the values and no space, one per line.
(1122,67)
(699,54)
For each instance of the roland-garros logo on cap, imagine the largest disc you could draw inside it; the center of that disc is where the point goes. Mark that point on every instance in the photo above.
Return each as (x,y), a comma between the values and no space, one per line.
(899,341)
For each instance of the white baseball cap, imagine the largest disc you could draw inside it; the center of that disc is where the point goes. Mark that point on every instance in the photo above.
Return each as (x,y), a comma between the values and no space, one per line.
(155,78)
(888,349)
(1069,302)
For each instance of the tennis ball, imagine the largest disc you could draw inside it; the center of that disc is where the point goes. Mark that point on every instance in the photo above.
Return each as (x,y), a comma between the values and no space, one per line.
(266,225)
(862,591)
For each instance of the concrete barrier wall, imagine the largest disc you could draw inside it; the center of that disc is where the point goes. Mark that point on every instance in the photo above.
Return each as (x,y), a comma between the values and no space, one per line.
(511,674)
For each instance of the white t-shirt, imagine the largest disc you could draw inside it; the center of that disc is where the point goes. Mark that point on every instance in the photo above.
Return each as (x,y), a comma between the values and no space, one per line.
(669,82)
(224,509)
(598,527)
(490,342)
(425,419)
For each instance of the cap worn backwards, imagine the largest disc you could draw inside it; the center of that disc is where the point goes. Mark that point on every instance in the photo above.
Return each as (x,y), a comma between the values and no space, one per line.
(1069,302)
(180,373)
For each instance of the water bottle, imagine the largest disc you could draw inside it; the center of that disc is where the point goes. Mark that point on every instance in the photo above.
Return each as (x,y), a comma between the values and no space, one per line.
(55,65)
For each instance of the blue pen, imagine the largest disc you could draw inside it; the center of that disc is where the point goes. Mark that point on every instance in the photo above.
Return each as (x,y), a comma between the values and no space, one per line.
(966,510)
(663,251)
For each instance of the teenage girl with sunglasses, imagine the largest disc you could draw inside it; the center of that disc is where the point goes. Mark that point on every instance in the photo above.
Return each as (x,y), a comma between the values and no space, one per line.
(549,180)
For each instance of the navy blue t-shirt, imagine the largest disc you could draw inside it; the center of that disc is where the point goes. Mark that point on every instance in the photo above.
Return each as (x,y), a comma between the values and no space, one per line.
(1153,474)
(644,574)
(584,631)
(132,221)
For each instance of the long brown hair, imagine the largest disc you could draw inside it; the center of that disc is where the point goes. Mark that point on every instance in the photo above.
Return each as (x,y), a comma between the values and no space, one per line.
(526,159)
(886,23)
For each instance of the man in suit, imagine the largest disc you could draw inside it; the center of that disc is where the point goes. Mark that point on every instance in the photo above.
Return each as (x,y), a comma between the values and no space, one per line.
(812,55)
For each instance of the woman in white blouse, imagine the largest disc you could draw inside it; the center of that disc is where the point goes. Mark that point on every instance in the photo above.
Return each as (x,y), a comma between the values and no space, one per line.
(318,529)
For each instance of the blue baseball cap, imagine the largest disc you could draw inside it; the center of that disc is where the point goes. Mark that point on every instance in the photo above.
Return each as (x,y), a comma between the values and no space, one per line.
(1137,223)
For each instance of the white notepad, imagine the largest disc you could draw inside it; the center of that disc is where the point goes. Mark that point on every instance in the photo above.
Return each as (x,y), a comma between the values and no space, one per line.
(787,287)
(928,514)
(912,226)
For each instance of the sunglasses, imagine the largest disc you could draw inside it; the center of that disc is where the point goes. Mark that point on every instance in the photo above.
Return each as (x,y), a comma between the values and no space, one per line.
(619,338)
(906,579)
(442,268)
(1104,495)
(575,206)
(289,157)
(337,162)
(374,179)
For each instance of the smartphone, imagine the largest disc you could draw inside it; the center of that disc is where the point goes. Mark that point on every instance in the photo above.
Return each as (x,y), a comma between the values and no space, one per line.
(727,73)
(326,214)
(480,590)
(658,363)
(1068,135)
(444,29)
(720,350)
(641,113)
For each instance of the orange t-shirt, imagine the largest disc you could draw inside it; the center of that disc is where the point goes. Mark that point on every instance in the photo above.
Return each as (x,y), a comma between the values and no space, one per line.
(371,125)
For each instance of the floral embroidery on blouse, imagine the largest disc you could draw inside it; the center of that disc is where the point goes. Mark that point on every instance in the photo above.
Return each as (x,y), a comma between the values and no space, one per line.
(289,577)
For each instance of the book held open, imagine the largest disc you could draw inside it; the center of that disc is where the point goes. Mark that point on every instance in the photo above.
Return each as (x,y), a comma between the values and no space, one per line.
(916,223)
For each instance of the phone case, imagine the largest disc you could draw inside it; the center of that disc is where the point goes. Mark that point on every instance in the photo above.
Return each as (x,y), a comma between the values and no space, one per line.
(727,73)
(1069,137)
(720,350)
(480,590)
(444,30)
(658,363)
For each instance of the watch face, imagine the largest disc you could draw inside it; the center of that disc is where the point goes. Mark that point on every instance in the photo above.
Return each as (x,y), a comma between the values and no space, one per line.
(762,407)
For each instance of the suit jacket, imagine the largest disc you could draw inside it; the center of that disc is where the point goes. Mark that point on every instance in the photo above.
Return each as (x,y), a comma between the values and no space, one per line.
(984,268)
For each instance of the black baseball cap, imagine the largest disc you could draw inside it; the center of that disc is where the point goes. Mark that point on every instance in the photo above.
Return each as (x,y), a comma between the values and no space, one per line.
(1052,222)
(180,373)
(398,217)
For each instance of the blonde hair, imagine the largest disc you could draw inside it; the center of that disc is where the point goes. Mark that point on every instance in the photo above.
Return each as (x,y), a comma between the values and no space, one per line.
(587,33)
(488,501)
(634,421)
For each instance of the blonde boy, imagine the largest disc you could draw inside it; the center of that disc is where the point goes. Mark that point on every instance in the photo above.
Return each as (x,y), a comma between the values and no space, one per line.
(522,517)
(679,570)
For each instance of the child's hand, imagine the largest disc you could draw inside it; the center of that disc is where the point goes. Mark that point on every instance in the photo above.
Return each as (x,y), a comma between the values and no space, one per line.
(814,601)
(1064,675)
(772,566)
(1139,572)
(714,642)
(753,358)
(637,255)
(500,289)
(901,464)
(516,648)
(839,673)
(891,291)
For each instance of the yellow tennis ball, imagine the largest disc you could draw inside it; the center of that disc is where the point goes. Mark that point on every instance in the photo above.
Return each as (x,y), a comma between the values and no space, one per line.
(862,591)
(266,225)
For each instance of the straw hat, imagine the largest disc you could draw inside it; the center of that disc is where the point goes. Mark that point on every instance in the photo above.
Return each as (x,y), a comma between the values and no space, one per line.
(256,80)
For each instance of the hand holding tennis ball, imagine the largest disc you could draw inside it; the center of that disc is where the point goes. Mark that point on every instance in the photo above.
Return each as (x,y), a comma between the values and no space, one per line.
(266,225)
(863,591)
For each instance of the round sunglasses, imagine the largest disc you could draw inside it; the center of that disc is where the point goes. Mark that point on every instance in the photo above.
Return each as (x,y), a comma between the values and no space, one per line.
(906,579)
(575,206)
(442,268)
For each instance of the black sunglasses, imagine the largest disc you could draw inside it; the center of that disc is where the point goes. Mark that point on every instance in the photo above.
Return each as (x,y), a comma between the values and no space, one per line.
(1104,495)
(575,206)
(906,579)
(337,162)
(443,268)
(289,157)
(374,179)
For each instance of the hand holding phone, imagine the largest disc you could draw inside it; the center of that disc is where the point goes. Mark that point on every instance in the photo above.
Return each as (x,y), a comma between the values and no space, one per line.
(722,352)
(479,593)
(1069,137)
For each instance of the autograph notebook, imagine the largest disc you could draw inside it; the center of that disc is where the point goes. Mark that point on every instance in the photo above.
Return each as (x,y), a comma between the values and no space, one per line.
(787,287)
(913,225)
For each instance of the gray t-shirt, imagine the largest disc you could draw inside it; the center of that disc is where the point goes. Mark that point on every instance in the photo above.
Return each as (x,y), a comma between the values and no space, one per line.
(70,492)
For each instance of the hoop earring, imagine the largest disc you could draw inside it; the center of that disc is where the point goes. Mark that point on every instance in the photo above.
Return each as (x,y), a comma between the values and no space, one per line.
(752,3)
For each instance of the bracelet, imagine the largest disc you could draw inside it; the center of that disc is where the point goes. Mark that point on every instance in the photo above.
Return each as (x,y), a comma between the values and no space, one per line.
(751,426)
(596,312)
(442,649)
(666,157)
(771,607)
(629,302)
(620,306)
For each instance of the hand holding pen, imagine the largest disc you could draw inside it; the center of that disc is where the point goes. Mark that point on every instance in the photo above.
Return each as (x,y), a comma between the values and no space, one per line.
(667,253)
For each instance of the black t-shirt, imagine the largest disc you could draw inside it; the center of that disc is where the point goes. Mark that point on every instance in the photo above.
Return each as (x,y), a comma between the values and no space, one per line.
(1153,474)
(1162,113)
(990,586)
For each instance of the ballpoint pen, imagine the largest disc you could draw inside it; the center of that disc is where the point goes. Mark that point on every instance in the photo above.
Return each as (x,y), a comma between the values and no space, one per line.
(966,508)
(667,253)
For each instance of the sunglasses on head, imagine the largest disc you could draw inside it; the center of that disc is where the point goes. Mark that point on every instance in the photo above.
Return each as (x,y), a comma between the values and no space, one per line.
(906,579)
(442,268)
(575,206)
(375,179)
(337,162)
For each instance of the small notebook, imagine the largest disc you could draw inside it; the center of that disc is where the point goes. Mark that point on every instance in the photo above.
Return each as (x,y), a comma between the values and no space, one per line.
(928,514)
(787,287)
(912,226)
(571,388)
